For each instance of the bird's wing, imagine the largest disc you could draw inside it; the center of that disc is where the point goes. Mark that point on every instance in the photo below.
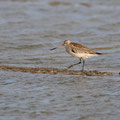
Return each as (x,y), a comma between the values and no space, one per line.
(78,48)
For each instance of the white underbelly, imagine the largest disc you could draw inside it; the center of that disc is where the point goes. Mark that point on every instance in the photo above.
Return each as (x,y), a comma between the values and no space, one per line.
(83,55)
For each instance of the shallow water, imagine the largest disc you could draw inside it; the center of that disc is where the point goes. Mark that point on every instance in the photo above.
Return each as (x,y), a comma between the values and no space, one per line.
(28,29)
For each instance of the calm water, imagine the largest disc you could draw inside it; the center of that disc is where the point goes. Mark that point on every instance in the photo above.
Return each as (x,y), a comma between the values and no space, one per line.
(28,29)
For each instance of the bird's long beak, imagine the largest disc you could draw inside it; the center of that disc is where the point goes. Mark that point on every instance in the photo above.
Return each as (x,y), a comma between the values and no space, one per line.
(57,47)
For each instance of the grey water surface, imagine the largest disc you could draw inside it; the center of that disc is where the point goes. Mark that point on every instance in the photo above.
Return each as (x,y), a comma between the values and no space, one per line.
(29,29)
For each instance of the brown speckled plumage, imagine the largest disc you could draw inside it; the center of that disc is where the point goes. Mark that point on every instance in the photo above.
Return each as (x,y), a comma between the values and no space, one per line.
(81,48)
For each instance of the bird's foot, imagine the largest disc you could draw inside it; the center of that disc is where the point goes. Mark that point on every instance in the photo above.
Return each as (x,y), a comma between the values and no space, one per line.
(82,71)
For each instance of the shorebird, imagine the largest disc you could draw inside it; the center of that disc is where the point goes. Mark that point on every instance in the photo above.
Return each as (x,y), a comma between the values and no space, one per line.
(78,50)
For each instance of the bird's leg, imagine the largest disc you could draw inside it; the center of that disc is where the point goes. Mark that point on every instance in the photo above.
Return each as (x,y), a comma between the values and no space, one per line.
(75,64)
(83,64)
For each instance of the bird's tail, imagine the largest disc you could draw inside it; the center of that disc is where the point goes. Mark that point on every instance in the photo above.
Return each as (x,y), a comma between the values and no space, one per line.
(98,53)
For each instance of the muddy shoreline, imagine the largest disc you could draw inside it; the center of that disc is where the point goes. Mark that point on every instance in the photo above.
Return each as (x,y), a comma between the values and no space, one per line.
(54,71)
